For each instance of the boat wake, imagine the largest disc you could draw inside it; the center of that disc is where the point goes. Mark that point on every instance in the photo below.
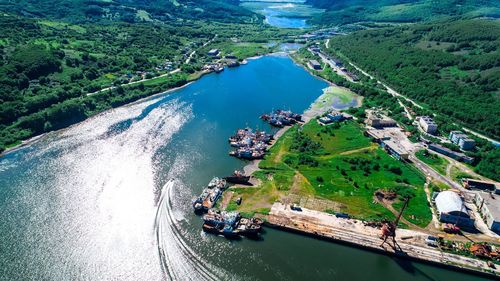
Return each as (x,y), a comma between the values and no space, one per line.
(178,260)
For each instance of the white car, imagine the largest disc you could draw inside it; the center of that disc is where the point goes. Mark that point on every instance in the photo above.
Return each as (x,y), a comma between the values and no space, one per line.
(431,241)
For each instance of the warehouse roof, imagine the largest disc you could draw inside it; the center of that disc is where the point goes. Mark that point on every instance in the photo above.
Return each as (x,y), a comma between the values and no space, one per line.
(450,203)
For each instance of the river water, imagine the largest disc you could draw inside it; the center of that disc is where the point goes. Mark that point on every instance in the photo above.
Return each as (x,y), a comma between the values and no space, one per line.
(283,13)
(90,202)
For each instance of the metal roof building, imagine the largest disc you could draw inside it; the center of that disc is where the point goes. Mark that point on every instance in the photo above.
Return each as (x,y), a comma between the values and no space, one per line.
(490,209)
(451,209)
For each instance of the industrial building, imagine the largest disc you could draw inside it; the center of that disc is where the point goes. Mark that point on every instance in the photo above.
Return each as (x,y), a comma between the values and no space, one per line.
(213,52)
(337,62)
(395,149)
(489,208)
(351,75)
(451,209)
(427,125)
(334,116)
(377,135)
(479,184)
(377,122)
(315,49)
(314,64)
(462,140)
(450,153)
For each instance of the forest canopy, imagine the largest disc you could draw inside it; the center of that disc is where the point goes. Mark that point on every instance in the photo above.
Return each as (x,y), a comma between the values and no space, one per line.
(452,68)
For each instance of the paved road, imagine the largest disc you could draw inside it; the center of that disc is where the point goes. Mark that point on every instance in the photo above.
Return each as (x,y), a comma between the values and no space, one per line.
(428,171)
(135,82)
(188,60)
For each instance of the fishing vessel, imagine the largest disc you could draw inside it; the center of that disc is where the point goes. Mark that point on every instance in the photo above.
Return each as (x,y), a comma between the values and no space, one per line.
(209,195)
(230,224)
(280,118)
(237,177)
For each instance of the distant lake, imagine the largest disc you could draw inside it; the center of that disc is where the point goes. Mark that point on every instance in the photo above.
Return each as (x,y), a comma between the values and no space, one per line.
(284,14)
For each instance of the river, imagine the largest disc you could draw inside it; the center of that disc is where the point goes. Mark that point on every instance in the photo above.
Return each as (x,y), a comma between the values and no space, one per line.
(83,203)
(283,13)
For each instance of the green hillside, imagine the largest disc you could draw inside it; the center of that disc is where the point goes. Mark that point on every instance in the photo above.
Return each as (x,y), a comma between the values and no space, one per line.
(353,11)
(451,67)
(130,10)
(54,53)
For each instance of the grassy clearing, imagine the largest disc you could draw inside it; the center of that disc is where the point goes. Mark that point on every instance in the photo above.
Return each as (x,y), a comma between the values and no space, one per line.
(433,45)
(437,163)
(345,95)
(241,50)
(457,174)
(336,163)
(453,72)
(62,26)
(437,186)
(335,96)
(143,15)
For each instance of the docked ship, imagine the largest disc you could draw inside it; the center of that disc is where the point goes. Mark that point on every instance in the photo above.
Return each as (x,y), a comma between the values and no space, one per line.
(281,118)
(209,196)
(217,182)
(238,178)
(230,224)
(247,154)
(219,69)
(247,136)
(250,145)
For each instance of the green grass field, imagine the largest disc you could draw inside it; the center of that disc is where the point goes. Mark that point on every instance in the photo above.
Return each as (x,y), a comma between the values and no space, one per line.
(340,164)
(437,163)
(457,174)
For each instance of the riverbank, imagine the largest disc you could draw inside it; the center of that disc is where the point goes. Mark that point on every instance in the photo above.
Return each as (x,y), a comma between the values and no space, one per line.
(104,178)
(317,108)
(38,137)
(191,78)
(410,244)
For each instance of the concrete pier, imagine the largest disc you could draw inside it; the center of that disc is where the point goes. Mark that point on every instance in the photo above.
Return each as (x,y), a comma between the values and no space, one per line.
(411,243)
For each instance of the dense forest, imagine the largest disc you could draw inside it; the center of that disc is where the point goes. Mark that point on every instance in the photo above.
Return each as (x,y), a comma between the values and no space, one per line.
(354,11)
(452,67)
(51,64)
(84,11)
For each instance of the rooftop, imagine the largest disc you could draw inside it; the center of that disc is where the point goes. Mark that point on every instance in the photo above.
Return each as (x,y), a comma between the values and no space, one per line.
(379,134)
(427,119)
(449,202)
(314,62)
(493,204)
(398,148)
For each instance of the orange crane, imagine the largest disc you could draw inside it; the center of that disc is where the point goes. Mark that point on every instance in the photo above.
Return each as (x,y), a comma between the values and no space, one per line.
(389,227)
